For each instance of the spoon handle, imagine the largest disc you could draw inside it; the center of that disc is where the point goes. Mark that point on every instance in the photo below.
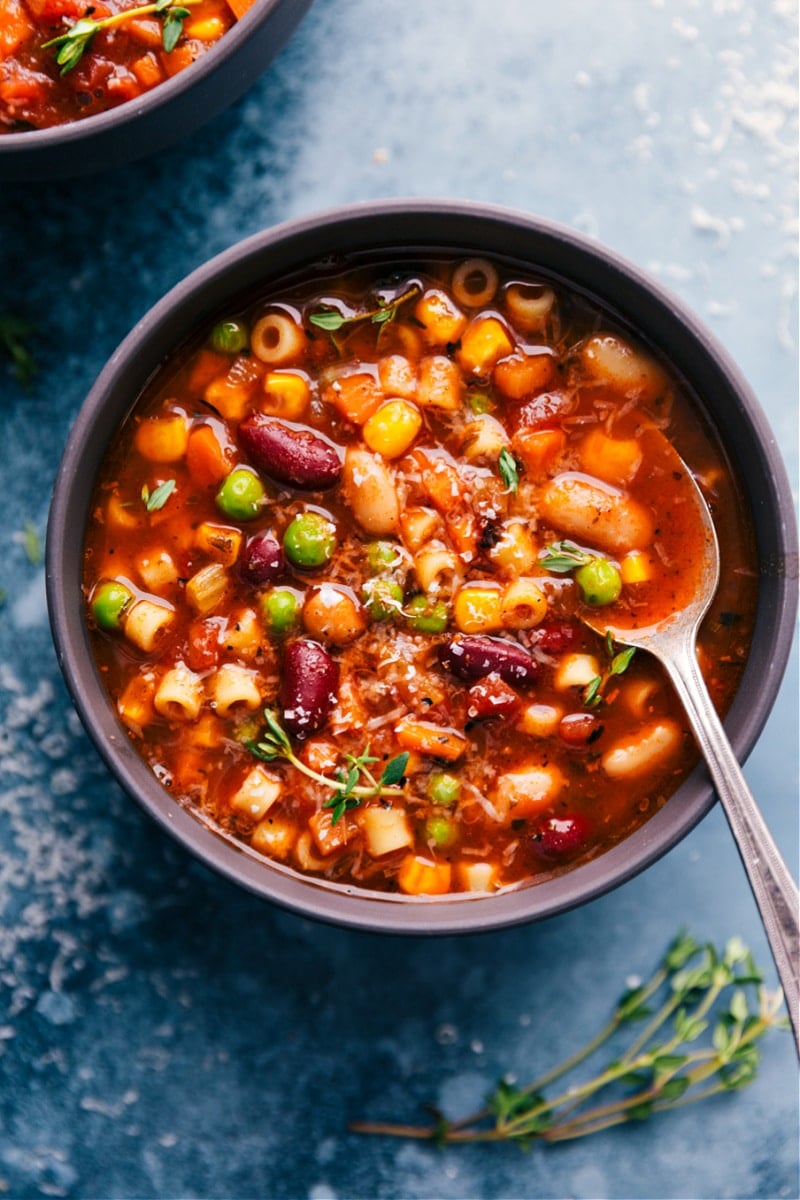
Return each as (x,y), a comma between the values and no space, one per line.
(773,887)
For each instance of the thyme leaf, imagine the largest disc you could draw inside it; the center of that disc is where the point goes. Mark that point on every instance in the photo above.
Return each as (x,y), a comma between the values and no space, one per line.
(349,785)
(658,1062)
(509,471)
(563,557)
(332,321)
(155,500)
(71,46)
(618,665)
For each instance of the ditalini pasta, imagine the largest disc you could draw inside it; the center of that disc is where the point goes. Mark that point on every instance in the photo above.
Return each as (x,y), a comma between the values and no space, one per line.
(338,559)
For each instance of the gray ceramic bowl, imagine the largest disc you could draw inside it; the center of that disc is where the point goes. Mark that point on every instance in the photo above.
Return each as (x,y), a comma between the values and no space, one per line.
(426,226)
(162,116)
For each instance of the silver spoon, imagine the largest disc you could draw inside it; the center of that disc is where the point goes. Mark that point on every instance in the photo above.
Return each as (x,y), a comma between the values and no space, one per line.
(673,641)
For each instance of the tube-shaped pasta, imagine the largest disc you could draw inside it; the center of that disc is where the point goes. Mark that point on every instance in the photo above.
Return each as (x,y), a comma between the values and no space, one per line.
(483,438)
(595,513)
(437,569)
(277,339)
(540,720)
(530,305)
(256,794)
(474,282)
(574,671)
(515,553)
(418,525)
(179,695)
(524,604)
(233,689)
(650,748)
(147,622)
(369,489)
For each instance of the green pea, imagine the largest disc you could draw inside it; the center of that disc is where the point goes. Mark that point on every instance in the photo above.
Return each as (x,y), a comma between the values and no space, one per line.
(427,616)
(383,598)
(241,495)
(280,609)
(443,788)
(441,831)
(600,582)
(310,540)
(109,601)
(382,556)
(230,337)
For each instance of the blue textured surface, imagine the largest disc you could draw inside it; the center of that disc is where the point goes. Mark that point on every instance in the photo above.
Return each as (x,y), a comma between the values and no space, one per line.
(162,1034)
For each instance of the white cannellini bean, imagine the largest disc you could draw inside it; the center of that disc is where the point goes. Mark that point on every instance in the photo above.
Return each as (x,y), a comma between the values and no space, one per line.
(369,490)
(595,513)
(525,792)
(644,751)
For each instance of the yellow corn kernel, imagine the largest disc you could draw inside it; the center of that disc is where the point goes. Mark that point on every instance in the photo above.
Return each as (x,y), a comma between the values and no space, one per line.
(229,398)
(441,319)
(420,877)
(427,738)
(440,384)
(392,428)
(147,622)
(476,876)
(636,567)
(418,526)
(385,829)
(616,460)
(484,342)
(243,633)
(515,553)
(478,608)
(286,394)
(162,439)
(220,542)
(524,604)
(205,29)
(256,794)
(274,836)
(207,587)
(540,720)
(135,705)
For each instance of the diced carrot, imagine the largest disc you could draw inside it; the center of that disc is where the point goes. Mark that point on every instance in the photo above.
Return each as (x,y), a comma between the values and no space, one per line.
(148,70)
(356,397)
(15,27)
(205,457)
(441,481)
(523,374)
(178,59)
(240,7)
(538,449)
(146,30)
(420,877)
(207,366)
(428,738)
(327,836)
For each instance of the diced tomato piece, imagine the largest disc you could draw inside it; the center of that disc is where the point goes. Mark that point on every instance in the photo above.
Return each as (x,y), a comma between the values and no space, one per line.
(491,697)
(556,637)
(202,647)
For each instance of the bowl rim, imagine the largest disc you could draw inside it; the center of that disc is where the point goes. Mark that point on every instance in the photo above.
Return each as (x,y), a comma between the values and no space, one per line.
(108,402)
(28,141)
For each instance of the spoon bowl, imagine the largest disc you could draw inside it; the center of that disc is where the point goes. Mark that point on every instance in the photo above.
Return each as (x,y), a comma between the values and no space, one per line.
(673,641)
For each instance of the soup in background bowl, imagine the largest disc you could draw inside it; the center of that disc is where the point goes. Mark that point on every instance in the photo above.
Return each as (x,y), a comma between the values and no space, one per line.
(318,594)
(84,89)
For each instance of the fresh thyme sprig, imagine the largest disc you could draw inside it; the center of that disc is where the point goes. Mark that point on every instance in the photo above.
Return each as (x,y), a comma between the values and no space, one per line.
(333,321)
(155,500)
(509,469)
(619,661)
(347,791)
(691,1044)
(72,45)
(563,557)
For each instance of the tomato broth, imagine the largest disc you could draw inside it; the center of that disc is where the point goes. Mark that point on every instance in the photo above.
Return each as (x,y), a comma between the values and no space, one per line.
(62,60)
(338,560)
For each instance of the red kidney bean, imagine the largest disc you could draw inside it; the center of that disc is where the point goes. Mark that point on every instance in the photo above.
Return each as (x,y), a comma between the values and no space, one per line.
(560,837)
(491,697)
(554,637)
(290,453)
(471,656)
(263,559)
(309,687)
(579,729)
